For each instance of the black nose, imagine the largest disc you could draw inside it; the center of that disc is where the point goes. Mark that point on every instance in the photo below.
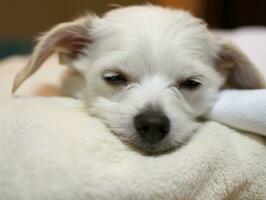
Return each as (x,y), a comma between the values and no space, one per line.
(152,127)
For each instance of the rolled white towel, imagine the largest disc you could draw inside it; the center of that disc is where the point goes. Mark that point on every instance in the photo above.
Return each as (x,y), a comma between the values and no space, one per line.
(242,109)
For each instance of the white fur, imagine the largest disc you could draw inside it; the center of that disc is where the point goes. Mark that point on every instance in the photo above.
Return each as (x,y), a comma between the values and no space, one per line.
(156,51)
(157,48)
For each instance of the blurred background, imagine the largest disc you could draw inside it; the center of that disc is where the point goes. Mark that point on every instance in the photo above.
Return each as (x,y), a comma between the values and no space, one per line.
(22,20)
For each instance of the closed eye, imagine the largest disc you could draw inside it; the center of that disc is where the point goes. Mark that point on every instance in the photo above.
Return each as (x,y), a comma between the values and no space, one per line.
(114,78)
(190,84)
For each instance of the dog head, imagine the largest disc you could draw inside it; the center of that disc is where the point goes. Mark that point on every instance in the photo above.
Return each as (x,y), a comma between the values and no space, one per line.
(149,71)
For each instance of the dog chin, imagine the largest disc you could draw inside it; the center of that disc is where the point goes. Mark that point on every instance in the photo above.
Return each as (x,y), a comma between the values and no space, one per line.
(170,143)
(143,147)
(155,149)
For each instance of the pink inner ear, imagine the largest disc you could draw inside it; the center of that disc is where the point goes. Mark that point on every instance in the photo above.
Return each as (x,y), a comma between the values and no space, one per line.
(71,41)
(68,39)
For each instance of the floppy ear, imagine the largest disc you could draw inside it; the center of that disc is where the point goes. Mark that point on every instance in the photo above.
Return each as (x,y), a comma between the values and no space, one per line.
(68,39)
(241,73)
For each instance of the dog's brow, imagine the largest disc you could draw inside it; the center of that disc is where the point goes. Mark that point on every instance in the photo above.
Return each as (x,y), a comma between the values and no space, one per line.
(194,76)
(118,70)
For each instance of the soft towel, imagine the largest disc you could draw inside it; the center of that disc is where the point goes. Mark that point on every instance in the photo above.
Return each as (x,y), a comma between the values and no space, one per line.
(50,148)
(242,109)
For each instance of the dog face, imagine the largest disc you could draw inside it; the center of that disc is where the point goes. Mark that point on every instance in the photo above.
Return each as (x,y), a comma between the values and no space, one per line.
(149,72)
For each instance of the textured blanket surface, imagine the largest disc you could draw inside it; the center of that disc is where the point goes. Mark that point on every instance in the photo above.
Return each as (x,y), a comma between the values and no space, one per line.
(51,149)
(242,109)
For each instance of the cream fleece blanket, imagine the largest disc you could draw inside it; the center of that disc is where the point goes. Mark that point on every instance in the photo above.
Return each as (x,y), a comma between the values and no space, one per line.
(51,149)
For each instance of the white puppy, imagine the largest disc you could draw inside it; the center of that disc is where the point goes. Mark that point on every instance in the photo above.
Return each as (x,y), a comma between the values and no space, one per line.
(148,72)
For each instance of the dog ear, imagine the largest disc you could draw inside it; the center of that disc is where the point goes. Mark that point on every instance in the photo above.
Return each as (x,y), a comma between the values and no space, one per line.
(67,39)
(240,72)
